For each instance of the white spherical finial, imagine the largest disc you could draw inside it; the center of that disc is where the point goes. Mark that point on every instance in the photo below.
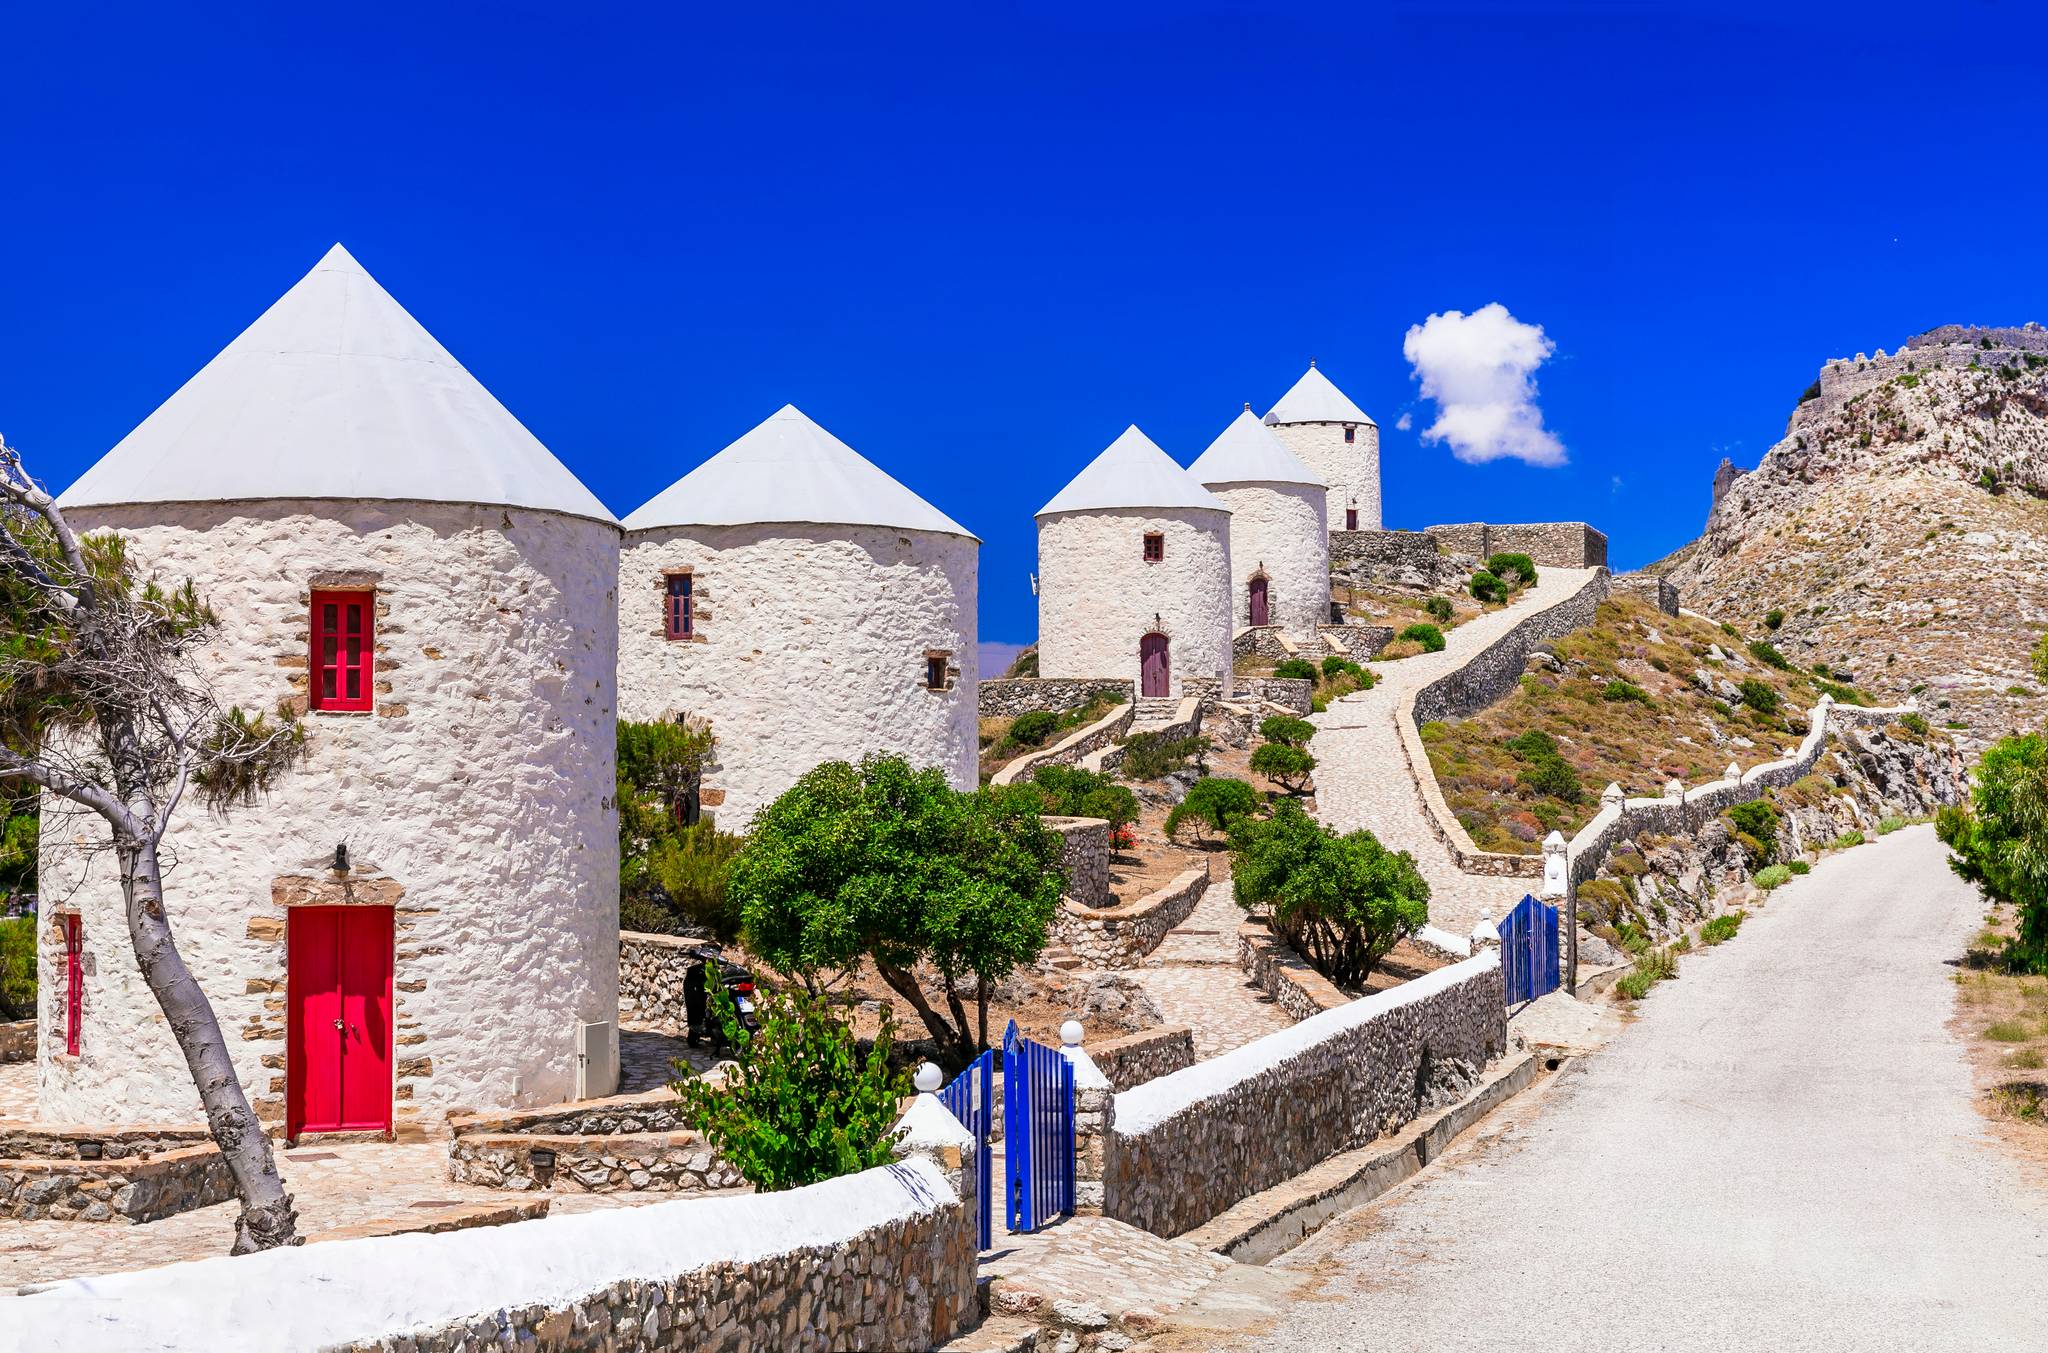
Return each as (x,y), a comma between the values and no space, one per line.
(1070,1033)
(927,1078)
(1485,933)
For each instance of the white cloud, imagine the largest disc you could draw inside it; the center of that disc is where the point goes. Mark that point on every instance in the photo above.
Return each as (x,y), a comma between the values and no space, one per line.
(1480,369)
(1405,421)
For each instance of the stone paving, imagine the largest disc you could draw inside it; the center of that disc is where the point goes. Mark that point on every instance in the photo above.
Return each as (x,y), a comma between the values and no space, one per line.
(1194,978)
(17,1091)
(1362,777)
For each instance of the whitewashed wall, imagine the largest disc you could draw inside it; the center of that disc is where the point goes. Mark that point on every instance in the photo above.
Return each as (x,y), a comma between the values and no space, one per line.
(813,650)
(478,792)
(1279,529)
(1097,596)
(1352,472)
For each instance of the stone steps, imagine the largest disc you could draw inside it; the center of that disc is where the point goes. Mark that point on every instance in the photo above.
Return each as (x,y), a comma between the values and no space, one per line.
(996,1334)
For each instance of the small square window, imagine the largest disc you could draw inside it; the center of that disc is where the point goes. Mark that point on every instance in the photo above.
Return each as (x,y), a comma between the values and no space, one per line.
(935,671)
(679,620)
(1155,547)
(1350,434)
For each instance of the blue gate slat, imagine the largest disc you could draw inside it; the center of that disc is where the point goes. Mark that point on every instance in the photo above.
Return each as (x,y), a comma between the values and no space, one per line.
(1529,950)
(1038,1124)
(976,1114)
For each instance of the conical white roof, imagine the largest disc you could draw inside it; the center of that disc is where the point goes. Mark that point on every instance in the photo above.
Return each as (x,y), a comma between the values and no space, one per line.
(788,469)
(1248,452)
(335,392)
(1314,400)
(1131,472)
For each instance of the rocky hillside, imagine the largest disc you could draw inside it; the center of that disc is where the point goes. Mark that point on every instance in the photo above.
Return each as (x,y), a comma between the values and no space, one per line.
(1899,531)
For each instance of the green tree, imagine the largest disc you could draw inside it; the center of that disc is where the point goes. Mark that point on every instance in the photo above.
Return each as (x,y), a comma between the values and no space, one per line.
(800,1104)
(18,842)
(672,859)
(1213,803)
(1289,766)
(1286,728)
(887,864)
(2001,840)
(1342,901)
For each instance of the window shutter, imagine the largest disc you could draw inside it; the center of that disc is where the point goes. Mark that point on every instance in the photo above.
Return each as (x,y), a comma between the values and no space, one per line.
(678,619)
(343,646)
(74,994)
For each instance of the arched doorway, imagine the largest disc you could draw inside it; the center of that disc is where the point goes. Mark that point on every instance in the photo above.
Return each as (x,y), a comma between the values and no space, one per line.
(1155,674)
(1261,613)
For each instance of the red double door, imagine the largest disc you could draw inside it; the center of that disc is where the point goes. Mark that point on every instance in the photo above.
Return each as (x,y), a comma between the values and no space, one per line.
(338,1039)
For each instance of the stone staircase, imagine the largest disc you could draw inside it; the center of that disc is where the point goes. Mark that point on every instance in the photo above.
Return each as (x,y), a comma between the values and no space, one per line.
(1154,709)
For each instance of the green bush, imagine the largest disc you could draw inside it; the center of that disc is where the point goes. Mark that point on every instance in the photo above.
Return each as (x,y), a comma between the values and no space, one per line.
(1429,636)
(1286,728)
(1520,565)
(1890,823)
(1532,745)
(1485,586)
(1759,695)
(1335,664)
(1759,820)
(18,968)
(1811,393)
(1849,838)
(801,1105)
(1033,727)
(1652,966)
(1213,803)
(1769,655)
(1722,928)
(1799,866)
(1773,618)
(672,862)
(1070,791)
(1152,756)
(1914,723)
(1298,669)
(1554,776)
(1623,689)
(1290,766)
(1773,876)
(1441,610)
(1341,901)
(2039,659)
(2001,840)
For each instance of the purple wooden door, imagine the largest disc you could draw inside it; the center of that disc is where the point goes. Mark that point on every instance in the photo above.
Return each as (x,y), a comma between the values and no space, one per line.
(1259,612)
(1152,665)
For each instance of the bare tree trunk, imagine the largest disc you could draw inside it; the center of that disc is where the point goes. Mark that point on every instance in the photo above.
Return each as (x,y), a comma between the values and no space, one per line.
(949,1039)
(981,1003)
(268,1218)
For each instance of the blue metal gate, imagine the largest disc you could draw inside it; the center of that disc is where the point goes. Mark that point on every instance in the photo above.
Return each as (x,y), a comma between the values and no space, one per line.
(1038,1131)
(1528,950)
(971,1099)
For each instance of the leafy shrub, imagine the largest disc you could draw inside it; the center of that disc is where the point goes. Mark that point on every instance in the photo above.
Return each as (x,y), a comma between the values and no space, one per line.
(1773,618)
(1520,565)
(1914,723)
(1486,586)
(1890,823)
(1722,928)
(1441,610)
(1652,966)
(1768,654)
(1623,689)
(1849,838)
(1286,728)
(1214,802)
(18,968)
(1554,776)
(1071,791)
(672,862)
(1429,636)
(1151,756)
(1759,820)
(1335,664)
(1298,669)
(1034,726)
(1532,744)
(1760,696)
(1342,901)
(1773,876)
(801,1105)
(1290,766)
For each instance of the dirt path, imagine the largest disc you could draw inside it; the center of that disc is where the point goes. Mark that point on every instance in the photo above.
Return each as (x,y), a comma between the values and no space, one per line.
(1362,777)
(1780,1154)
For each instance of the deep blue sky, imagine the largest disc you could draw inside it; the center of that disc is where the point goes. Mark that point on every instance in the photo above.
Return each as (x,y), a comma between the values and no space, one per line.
(976,241)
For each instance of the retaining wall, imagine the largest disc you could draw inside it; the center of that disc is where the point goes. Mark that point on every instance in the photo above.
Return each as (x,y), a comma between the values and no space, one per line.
(1111,727)
(1010,696)
(18,1041)
(1186,723)
(651,971)
(1140,1057)
(1084,855)
(1120,937)
(131,1188)
(1561,544)
(1288,692)
(1654,588)
(1276,969)
(1181,1149)
(633,1162)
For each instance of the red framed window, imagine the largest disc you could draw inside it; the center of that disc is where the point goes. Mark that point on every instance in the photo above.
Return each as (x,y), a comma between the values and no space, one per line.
(342,650)
(677,620)
(1155,547)
(74,984)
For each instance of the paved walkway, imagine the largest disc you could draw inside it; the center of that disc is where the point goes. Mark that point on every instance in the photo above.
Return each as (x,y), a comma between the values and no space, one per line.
(1194,978)
(1781,1153)
(1362,777)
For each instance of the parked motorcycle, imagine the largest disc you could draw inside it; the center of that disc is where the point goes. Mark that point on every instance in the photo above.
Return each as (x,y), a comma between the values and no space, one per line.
(736,980)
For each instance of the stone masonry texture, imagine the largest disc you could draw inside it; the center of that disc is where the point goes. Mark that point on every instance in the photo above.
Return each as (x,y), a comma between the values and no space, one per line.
(1097,597)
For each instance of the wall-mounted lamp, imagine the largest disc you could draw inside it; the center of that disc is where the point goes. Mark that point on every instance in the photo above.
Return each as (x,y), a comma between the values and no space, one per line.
(543,1159)
(341,858)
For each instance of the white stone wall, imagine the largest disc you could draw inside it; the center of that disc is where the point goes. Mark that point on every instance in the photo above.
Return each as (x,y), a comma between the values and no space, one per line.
(1280,530)
(476,797)
(1352,471)
(1097,597)
(812,649)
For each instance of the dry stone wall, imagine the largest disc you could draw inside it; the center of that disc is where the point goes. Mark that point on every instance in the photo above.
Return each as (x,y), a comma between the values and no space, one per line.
(1287,692)
(1654,588)
(1140,1057)
(1120,937)
(1010,696)
(1493,672)
(1276,969)
(1560,544)
(634,1162)
(131,1188)
(1182,1149)
(1084,855)
(1402,558)
(17,1041)
(651,972)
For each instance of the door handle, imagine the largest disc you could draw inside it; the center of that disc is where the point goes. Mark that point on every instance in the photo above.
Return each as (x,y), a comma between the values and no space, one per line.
(337,1024)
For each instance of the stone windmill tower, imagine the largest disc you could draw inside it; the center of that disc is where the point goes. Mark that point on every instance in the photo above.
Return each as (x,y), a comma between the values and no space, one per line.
(423,916)
(1279,541)
(1134,573)
(1334,437)
(809,607)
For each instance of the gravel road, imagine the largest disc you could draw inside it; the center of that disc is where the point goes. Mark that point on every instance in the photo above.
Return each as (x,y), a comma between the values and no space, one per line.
(1781,1154)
